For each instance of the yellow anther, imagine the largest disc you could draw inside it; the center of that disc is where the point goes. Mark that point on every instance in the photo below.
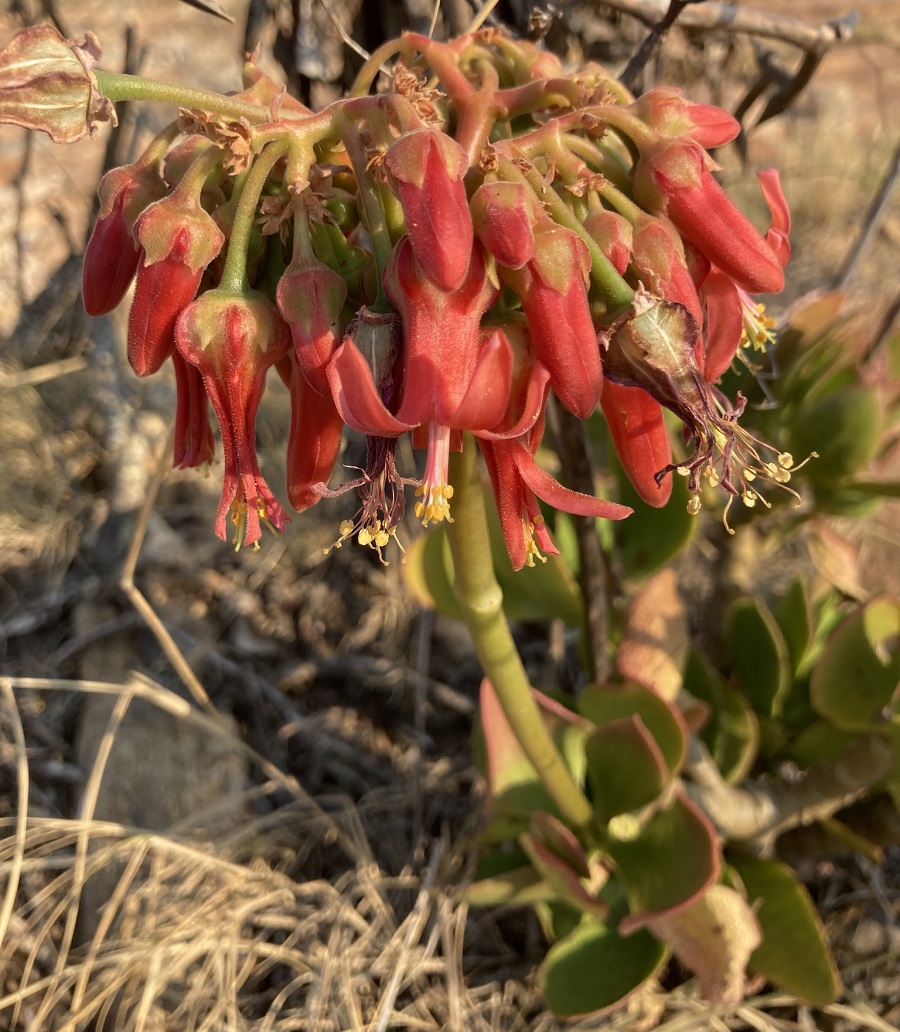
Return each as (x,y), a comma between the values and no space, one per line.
(749,475)
(786,459)
(712,476)
(693,505)
(749,498)
(682,471)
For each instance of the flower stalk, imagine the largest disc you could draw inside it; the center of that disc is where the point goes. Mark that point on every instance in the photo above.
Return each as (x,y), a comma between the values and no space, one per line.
(481,600)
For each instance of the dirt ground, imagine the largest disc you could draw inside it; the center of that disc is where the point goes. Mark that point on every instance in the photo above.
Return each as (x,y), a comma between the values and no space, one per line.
(312,771)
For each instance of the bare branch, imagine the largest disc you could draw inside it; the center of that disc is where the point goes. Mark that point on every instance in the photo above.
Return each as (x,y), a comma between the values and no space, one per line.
(734,19)
(762,810)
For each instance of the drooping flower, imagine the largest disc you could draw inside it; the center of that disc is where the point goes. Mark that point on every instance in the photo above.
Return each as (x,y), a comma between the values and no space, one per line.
(426,167)
(310,296)
(733,318)
(674,177)
(112,255)
(655,348)
(641,439)
(314,437)
(233,339)
(195,444)
(448,379)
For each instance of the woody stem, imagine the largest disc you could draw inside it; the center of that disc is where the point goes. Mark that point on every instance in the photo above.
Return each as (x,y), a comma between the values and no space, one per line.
(481,600)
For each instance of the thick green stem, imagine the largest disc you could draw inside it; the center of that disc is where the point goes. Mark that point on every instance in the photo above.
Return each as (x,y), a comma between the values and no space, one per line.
(117,86)
(481,601)
(234,275)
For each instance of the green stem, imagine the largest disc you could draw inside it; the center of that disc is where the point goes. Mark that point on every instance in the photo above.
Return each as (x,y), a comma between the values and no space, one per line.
(117,86)
(234,275)
(372,210)
(617,294)
(481,601)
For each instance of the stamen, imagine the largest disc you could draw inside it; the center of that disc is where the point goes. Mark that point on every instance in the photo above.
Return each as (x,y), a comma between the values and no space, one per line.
(434,490)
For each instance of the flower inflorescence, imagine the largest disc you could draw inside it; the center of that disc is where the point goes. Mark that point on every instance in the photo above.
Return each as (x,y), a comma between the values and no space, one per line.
(436,258)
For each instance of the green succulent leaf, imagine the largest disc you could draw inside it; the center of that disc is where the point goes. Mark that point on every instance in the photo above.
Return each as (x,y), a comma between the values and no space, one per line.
(595,968)
(626,769)
(604,703)
(794,616)
(794,954)
(731,734)
(759,654)
(671,860)
(858,673)
(653,537)
(844,428)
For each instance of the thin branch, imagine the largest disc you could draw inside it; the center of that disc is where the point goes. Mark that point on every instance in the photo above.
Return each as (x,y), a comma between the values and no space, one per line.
(636,65)
(139,601)
(872,222)
(739,19)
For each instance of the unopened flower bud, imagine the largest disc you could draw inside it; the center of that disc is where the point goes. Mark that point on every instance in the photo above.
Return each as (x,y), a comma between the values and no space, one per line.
(666,110)
(179,240)
(502,218)
(553,288)
(426,169)
(112,254)
(310,296)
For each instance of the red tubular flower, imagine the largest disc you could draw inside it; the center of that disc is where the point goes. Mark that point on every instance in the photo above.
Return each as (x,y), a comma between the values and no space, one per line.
(553,289)
(426,168)
(179,240)
(310,296)
(314,439)
(233,340)
(518,483)
(501,214)
(732,317)
(449,379)
(674,178)
(641,439)
(195,444)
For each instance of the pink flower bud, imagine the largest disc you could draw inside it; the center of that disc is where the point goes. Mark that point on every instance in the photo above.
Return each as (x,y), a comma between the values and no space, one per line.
(179,240)
(47,83)
(426,169)
(112,254)
(310,296)
(501,214)
(665,109)
(553,288)
(233,340)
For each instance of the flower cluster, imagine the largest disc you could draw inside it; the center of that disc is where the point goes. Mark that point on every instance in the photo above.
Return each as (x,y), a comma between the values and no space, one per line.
(438,262)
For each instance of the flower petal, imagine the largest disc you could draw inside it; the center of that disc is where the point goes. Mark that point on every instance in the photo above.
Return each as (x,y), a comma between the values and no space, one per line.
(356,396)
